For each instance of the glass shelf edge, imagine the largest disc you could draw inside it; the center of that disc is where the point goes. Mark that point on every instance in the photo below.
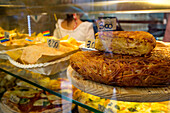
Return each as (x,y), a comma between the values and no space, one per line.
(53,92)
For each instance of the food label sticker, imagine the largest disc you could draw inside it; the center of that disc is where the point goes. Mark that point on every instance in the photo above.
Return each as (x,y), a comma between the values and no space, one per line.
(106,23)
(53,43)
(6,35)
(90,43)
(14,98)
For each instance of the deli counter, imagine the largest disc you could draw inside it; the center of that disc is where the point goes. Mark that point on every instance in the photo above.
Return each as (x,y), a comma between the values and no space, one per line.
(114,58)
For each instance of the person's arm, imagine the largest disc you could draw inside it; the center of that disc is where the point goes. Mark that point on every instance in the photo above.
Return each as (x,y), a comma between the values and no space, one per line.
(90,31)
(167,31)
(57,31)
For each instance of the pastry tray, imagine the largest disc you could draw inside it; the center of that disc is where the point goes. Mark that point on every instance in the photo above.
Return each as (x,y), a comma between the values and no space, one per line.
(131,94)
(48,68)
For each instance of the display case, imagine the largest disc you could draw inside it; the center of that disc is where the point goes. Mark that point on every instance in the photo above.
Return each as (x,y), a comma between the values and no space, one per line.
(42,73)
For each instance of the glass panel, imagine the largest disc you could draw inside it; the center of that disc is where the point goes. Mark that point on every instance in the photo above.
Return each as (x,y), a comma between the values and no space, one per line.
(6,82)
(27,17)
(60,86)
(56,84)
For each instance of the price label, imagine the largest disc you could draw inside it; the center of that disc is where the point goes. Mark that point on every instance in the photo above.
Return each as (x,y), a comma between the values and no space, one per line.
(14,98)
(6,35)
(53,43)
(90,43)
(106,23)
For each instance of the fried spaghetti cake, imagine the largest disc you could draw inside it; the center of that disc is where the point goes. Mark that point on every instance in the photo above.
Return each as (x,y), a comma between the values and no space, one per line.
(124,70)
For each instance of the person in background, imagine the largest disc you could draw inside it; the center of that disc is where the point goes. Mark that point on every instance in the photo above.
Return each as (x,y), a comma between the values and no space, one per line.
(167,31)
(74,27)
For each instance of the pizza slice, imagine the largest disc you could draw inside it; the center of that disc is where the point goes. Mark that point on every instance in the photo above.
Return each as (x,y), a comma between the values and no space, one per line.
(20,99)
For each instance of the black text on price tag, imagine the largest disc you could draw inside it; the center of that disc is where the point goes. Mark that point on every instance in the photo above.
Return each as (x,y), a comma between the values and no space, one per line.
(107,23)
(53,43)
(90,43)
(6,35)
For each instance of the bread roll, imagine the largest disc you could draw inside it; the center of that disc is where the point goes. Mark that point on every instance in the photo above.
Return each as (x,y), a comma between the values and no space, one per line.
(136,43)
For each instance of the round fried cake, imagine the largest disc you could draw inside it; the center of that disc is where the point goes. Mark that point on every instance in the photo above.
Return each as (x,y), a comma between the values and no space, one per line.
(124,70)
(136,43)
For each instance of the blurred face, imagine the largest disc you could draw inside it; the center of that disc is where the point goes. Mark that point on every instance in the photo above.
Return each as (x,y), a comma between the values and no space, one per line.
(79,15)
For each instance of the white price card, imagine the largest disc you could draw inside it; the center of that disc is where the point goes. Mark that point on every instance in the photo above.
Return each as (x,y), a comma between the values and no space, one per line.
(6,35)
(53,43)
(90,43)
(14,98)
(107,23)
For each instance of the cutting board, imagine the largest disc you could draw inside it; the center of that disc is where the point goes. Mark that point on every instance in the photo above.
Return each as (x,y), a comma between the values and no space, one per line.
(131,94)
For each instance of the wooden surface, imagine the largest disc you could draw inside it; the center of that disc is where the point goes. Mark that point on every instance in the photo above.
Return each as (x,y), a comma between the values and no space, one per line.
(131,94)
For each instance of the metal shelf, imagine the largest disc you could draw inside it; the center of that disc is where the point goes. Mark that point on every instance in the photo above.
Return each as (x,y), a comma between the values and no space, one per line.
(86,6)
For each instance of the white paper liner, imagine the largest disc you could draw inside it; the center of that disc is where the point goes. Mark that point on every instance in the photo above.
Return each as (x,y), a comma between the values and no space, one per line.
(48,68)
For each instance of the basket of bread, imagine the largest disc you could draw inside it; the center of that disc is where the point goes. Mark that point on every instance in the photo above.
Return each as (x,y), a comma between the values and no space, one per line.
(41,58)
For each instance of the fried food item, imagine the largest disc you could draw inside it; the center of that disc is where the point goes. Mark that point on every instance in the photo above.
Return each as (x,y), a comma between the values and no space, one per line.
(124,70)
(136,43)
(42,53)
(15,55)
(74,42)
(65,37)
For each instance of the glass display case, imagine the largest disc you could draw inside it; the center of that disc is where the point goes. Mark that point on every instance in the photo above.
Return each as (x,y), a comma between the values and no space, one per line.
(38,70)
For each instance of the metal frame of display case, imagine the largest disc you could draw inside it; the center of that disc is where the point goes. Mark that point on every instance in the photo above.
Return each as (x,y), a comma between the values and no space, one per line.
(14,7)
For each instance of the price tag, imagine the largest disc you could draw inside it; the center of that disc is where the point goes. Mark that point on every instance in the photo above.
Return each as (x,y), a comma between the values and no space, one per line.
(53,43)
(90,43)
(106,23)
(6,35)
(14,98)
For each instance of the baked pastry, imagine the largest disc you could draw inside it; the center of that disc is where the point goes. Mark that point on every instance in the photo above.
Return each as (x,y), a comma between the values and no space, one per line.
(134,43)
(23,99)
(42,53)
(6,81)
(31,101)
(113,106)
(124,70)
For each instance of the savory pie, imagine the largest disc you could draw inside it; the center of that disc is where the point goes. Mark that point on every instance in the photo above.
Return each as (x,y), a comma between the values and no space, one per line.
(136,43)
(26,98)
(113,106)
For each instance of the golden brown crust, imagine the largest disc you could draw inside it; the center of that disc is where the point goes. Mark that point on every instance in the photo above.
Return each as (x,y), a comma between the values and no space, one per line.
(19,92)
(135,43)
(124,70)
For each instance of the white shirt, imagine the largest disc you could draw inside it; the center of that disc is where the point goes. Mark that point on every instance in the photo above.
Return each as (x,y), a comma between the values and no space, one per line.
(81,33)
